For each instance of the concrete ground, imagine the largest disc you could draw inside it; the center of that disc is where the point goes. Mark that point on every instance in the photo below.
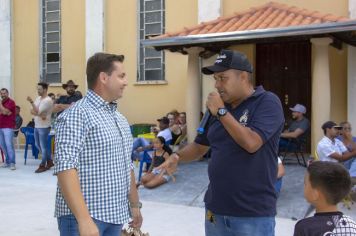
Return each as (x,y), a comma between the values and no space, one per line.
(27,202)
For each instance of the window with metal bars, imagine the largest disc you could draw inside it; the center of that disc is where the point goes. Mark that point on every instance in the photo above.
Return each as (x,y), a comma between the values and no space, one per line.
(51,41)
(151,23)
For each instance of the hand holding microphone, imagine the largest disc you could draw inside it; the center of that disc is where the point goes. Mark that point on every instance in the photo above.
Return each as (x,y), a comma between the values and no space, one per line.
(213,103)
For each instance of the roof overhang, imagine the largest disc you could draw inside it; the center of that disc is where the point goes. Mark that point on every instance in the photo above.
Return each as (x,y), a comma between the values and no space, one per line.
(343,31)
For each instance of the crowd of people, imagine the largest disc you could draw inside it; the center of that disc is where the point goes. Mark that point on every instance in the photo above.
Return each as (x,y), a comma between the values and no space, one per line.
(97,190)
(44,109)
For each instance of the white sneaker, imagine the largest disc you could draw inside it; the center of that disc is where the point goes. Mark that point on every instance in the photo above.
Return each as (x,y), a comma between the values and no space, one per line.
(12,167)
(5,165)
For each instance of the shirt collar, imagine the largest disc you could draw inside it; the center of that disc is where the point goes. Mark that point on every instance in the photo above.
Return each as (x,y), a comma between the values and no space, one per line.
(98,101)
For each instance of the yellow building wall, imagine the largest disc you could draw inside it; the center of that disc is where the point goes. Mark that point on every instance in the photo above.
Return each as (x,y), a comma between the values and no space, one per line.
(72,45)
(26,51)
(146,103)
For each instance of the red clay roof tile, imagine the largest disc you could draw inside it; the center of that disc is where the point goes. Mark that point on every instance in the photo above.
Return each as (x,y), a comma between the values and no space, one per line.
(270,15)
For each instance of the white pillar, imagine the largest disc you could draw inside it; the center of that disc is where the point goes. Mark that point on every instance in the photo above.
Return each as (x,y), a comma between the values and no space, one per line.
(209,10)
(193,101)
(5,45)
(351,72)
(94,27)
(320,88)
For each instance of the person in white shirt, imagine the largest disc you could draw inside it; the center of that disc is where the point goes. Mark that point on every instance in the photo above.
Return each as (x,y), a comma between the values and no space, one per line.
(329,147)
(42,108)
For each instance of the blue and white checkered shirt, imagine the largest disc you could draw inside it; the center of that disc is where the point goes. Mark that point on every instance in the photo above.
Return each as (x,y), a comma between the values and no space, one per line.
(95,139)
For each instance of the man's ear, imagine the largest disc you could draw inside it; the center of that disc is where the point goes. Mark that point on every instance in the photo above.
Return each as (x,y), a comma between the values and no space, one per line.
(103,77)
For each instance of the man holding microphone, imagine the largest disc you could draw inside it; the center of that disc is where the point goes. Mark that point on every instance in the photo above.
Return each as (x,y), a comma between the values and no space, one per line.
(243,133)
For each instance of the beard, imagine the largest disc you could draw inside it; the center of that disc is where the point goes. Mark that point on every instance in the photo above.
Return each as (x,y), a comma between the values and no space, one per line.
(71,92)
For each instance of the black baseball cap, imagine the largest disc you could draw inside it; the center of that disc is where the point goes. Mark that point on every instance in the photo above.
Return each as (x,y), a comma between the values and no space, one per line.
(329,125)
(229,59)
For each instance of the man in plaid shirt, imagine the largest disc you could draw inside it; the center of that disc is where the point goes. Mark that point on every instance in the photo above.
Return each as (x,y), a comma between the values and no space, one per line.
(96,191)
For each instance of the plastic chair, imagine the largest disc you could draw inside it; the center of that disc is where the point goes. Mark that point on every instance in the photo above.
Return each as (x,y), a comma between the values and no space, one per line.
(297,147)
(30,140)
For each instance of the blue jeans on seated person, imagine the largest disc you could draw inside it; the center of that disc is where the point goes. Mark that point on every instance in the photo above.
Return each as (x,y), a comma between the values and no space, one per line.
(351,166)
(68,226)
(138,142)
(286,145)
(239,226)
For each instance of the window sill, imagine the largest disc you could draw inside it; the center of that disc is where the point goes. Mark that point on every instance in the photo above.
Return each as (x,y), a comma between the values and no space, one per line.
(151,82)
(55,85)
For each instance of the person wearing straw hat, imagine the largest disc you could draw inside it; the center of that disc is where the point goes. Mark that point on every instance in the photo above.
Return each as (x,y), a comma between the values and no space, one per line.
(66,101)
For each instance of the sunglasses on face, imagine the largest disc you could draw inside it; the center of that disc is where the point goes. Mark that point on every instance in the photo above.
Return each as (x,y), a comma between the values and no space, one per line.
(337,128)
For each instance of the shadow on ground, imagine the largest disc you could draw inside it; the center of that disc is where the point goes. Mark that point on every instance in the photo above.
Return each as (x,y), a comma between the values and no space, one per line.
(192,181)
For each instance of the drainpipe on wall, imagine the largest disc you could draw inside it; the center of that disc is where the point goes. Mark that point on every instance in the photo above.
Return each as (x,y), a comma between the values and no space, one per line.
(351,72)
(94,28)
(6,46)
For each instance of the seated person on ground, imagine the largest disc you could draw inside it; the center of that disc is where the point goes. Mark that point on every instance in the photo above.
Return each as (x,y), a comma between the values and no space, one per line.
(350,143)
(297,129)
(332,149)
(183,122)
(174,127)
(141,144)
(280,174)
(154,178)
(325,185)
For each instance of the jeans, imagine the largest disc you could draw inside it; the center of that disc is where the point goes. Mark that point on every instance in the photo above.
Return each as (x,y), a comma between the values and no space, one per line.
(285,145)
(41,138)
(220,225)
(351,166)
(68,226)
(7,144)
(278,186)
(138,142)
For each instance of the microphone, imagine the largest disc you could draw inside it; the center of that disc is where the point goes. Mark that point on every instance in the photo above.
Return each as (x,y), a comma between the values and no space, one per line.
(204,122)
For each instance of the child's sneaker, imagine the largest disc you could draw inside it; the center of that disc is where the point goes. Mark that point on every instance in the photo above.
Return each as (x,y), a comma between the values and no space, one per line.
(12,167)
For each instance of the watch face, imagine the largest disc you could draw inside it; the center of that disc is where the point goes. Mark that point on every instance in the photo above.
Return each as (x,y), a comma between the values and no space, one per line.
(222,111)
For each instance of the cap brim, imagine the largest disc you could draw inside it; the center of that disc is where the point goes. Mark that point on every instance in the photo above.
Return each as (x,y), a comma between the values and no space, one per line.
(292,109)
(208,70)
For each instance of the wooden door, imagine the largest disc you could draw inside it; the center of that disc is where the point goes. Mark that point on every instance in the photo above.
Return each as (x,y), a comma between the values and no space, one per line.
(285,69)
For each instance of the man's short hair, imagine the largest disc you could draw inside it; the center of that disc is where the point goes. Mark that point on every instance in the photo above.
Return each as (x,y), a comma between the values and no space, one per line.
(100,62)
(43,85)
(4,89)
(331,178)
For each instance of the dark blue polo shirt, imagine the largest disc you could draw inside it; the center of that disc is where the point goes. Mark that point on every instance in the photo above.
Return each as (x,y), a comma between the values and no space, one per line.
(242,183)
(65,99)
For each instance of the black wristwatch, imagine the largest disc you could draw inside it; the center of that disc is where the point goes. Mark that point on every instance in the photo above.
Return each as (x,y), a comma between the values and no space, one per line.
(221,112)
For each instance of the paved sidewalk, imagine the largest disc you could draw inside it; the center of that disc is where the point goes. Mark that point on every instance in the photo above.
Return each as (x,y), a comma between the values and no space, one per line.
(27,204)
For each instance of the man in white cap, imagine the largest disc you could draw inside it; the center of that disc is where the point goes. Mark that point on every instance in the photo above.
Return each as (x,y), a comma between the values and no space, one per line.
(297,129)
